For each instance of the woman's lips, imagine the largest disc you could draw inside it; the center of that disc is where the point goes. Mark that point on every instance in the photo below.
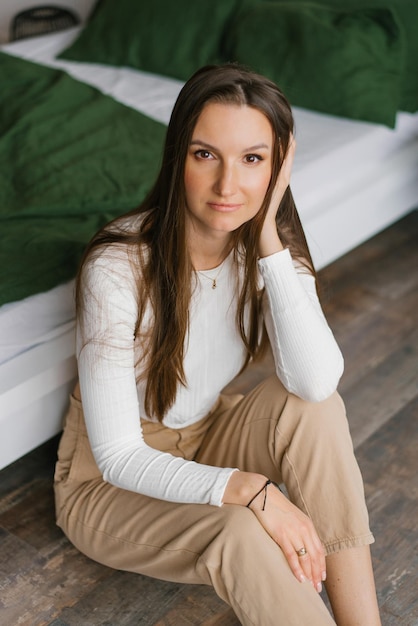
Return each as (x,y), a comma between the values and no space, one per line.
(224,207)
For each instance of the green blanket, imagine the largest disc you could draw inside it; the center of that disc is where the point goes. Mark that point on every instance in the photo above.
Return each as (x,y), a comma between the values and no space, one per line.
(71,159)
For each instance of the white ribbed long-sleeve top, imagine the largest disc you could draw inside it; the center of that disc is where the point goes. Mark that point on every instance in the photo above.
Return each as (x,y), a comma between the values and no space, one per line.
(307,358)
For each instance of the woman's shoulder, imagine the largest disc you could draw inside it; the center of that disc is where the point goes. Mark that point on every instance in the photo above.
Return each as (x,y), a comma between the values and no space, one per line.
(118,243)
(117,256)
(128,224)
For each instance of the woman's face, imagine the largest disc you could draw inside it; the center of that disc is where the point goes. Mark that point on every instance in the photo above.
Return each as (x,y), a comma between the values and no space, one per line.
(228,169)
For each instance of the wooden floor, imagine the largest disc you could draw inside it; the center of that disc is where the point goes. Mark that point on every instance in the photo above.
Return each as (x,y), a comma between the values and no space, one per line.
(371,300)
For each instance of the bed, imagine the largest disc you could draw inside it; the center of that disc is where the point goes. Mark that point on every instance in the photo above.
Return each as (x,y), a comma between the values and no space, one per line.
(351,179)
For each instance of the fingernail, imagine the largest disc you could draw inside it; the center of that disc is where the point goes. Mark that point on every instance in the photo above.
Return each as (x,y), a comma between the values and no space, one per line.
(319,587)
(324,576)
(303,579)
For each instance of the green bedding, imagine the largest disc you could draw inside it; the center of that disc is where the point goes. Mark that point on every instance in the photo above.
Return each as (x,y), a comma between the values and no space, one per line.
(71,159)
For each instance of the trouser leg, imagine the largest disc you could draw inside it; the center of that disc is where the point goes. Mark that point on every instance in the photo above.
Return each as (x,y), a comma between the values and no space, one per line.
(269,431)
(303,444)
(225,547)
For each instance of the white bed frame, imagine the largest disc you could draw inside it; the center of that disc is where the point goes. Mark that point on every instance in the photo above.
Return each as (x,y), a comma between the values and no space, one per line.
(342,201)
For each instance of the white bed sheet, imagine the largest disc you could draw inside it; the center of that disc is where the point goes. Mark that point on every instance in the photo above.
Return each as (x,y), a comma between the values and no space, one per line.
(35,320)
(327,146)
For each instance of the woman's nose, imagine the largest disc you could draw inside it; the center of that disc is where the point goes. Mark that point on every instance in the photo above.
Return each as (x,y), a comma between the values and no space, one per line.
(226,180)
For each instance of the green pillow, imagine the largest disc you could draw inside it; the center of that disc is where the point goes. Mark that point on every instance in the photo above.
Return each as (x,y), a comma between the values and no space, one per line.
(343,62)
(407,13)
(167,37)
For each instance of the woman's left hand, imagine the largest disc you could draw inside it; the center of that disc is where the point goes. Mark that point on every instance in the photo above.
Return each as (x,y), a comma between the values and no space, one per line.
(269,239)
(295,533)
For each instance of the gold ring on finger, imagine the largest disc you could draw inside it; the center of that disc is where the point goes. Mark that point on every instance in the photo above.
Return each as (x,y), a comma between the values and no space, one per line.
(302,551)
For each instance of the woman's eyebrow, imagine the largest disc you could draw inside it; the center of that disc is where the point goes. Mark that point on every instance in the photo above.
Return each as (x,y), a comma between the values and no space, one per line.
(258,146)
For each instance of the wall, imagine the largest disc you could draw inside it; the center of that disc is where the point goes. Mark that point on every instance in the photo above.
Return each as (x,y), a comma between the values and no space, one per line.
(10,8)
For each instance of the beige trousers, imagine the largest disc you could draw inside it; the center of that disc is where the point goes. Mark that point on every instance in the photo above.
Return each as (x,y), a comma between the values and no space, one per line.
(307,446)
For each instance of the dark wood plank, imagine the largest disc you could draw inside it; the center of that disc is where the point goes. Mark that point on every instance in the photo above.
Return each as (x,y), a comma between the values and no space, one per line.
(383,391)
(36,592)
(122,599)
(371,298)
(202,608)
(389,463)
(43,567)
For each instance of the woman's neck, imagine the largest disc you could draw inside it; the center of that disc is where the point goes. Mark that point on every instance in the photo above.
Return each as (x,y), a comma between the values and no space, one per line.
(208,259)
(206,254)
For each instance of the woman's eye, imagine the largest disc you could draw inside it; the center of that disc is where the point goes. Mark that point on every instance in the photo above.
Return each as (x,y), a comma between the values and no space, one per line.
(253,158)
(203,154)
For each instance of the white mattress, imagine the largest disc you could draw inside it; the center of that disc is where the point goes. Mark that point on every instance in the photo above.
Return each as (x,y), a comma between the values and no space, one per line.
(350,180)
(35,320)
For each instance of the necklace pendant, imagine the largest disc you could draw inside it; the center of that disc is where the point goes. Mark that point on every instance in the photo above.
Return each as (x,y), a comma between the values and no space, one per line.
(214,283)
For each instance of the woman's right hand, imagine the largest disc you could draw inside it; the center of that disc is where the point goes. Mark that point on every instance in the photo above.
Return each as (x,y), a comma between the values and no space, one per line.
(292,530)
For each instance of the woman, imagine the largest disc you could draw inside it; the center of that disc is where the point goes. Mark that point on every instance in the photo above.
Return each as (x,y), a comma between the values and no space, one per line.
(161,473)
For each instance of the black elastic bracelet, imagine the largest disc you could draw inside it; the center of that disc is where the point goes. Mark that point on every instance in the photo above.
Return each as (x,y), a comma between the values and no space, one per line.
(263,488)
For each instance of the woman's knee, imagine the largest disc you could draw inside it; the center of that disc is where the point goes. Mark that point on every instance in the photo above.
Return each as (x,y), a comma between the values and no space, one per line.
(315,423)
(242,544)
(239,530)
(250,572)
(276,400)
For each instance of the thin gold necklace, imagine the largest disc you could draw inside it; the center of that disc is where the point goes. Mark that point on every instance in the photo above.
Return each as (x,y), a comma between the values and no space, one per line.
(214,283)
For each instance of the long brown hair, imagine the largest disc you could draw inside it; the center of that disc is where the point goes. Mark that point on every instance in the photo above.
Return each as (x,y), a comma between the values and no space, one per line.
(160,246)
